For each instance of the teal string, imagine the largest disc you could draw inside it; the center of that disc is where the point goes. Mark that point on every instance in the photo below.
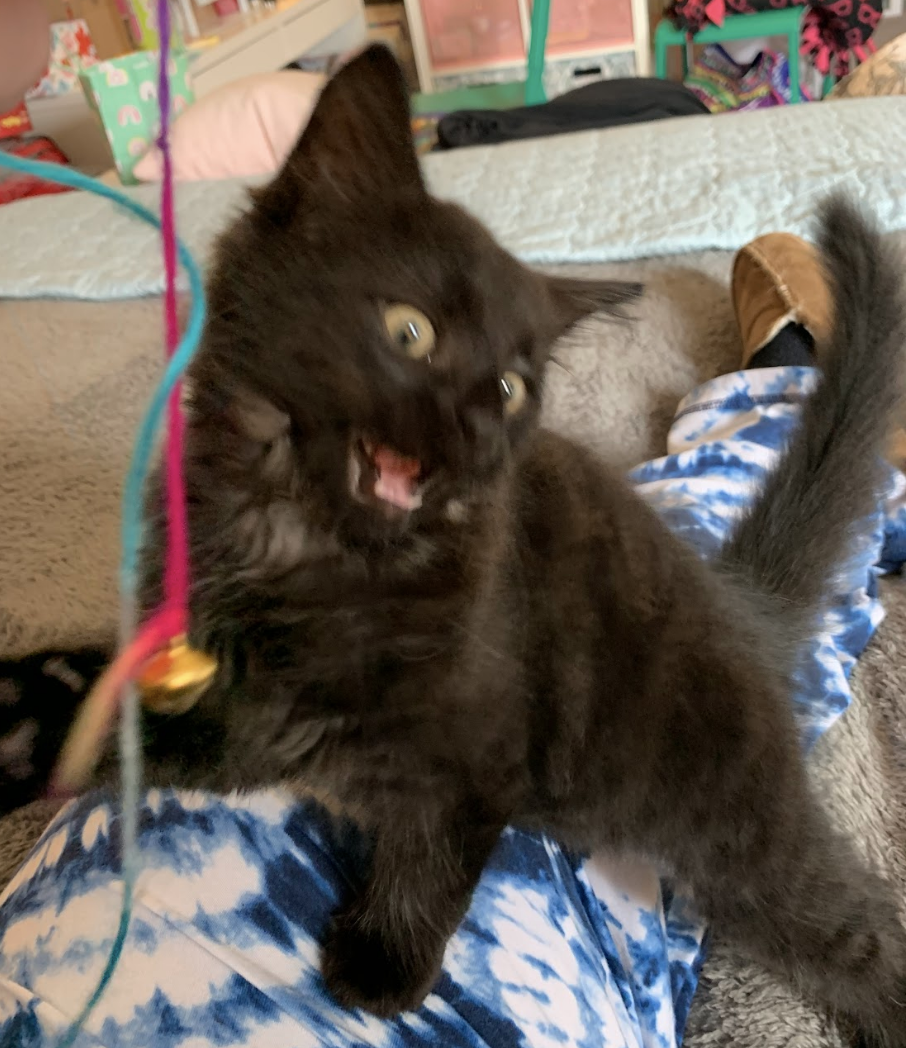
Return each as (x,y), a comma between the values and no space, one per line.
(131,532)
(150,424)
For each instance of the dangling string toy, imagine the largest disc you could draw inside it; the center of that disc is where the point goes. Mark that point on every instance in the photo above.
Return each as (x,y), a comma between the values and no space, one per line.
(155,661)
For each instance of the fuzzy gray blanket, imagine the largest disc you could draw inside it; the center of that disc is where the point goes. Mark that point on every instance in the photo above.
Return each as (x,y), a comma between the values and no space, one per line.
(76,376)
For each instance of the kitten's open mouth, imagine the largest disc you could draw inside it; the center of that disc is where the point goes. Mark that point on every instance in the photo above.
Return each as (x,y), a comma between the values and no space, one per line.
(380,474)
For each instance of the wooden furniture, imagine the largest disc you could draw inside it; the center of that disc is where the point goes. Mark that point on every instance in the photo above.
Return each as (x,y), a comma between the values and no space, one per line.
(786,22)
(458,43)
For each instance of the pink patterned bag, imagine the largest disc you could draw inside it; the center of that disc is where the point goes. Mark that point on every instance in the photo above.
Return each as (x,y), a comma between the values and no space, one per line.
(836,34)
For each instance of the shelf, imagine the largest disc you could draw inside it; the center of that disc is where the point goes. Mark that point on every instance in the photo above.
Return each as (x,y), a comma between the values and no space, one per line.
(263,40)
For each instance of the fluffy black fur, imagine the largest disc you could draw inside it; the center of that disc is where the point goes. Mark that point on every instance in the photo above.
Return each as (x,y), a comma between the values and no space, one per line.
(812,507)
(529,645)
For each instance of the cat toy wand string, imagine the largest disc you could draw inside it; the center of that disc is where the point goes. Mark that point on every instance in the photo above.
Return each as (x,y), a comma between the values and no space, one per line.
(170,674)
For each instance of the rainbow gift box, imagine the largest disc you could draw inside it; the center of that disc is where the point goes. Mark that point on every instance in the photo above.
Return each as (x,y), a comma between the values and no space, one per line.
(123,92)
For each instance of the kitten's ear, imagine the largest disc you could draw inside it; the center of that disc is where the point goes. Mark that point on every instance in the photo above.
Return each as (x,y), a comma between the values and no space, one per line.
(357,146)
(574,299)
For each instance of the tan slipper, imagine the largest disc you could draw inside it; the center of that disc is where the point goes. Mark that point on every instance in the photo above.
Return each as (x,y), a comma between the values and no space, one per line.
(896,449)
(778,279)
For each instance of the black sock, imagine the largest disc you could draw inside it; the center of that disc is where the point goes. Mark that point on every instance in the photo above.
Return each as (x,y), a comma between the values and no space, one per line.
(39,698)
(791,345)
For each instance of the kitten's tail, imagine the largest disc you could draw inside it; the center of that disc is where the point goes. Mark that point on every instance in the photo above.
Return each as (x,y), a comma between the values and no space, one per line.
(801,528)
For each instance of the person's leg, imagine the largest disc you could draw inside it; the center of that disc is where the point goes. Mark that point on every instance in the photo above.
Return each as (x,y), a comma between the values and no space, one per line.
(793,902)
(729,433)
(236,895)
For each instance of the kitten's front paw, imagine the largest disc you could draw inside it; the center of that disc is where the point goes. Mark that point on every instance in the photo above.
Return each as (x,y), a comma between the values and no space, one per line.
(362,970)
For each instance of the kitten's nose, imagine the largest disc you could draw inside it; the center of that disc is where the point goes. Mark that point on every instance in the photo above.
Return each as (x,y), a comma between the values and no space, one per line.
(482,422)
(430,428)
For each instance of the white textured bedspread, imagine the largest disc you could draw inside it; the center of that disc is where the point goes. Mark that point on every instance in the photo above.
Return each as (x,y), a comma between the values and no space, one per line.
(664,188)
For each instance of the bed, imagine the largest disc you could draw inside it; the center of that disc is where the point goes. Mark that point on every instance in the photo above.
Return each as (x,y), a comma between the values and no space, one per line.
(665,203)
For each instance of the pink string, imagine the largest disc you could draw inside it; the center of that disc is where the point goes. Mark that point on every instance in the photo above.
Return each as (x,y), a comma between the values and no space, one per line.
(170,620)
(176,566)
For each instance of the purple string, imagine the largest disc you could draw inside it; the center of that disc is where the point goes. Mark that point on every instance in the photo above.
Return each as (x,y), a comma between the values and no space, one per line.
(163,80)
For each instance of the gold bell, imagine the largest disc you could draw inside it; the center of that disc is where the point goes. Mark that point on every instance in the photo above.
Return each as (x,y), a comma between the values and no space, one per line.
(174,679)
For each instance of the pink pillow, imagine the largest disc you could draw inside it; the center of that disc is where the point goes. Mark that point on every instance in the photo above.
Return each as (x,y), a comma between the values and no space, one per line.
(246,127)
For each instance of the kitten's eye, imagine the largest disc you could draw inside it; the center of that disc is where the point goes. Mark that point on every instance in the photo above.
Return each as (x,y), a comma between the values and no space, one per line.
(409,330)
(512,386)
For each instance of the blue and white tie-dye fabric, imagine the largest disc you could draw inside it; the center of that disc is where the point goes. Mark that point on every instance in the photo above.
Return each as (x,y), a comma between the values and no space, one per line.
(235,893)
(725,439)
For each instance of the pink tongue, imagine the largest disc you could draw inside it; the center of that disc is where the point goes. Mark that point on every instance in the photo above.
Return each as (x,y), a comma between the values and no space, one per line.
(396,477)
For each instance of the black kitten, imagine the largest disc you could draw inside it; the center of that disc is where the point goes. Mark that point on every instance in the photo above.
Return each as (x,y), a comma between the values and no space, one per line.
(449,619)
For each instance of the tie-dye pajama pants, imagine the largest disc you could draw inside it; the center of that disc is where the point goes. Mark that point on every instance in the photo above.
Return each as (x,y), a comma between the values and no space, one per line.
(234,894)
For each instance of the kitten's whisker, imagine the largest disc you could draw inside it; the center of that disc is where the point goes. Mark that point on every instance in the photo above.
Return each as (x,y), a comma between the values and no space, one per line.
(562,366)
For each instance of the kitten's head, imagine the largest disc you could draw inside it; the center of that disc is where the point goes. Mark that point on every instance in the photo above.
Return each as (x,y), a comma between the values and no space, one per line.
(382,336)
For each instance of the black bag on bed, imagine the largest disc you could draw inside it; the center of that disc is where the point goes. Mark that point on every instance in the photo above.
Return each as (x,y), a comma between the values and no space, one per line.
(605,103)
